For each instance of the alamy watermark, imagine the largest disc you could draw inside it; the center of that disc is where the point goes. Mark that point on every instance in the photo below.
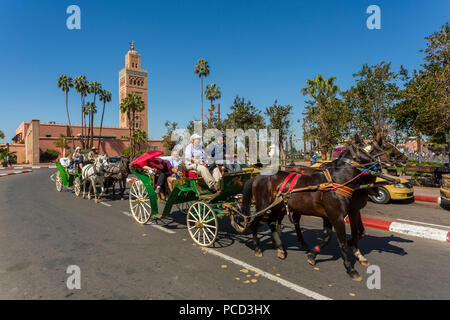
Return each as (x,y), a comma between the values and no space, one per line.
(74,20)
(250,146)
(374,20)
(74,280)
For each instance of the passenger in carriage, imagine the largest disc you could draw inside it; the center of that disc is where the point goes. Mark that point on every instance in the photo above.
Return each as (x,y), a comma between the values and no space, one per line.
(175,160)
(195,160)
(219,156)
(78,159)
(162,169)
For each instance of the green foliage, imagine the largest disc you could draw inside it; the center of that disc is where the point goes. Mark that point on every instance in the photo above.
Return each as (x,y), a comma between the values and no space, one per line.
(4,153)
(202,69)
(212,93)
(61,142)
(372,100)
(326,116)
(168,143)
(244,116)
(279,119)
(425,105)
(49,155)
(2,135)
(131,105)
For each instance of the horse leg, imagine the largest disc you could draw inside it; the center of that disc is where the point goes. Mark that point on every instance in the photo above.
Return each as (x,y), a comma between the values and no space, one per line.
(275,228)
(339,226)
(122,185)
(298,231)
(254,229)
(357,234)
(327,232)
(84,189)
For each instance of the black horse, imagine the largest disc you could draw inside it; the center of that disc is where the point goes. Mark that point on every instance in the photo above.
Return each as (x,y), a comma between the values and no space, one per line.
(325,193)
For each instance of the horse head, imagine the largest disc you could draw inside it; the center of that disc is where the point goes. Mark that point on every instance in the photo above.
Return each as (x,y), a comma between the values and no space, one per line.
(387,153)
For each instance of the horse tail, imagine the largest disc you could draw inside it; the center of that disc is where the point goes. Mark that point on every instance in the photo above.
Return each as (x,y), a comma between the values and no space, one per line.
(247,194)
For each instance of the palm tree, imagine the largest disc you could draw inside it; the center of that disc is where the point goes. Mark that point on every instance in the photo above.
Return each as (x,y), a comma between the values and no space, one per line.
(2,135)
(82,87)
(212,93)
(131,104)
(95,88)
(202,69)
(105,96)
(65,83)
(85,111)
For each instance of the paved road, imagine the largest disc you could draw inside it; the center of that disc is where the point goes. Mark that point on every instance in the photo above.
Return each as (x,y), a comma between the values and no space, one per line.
(42,232)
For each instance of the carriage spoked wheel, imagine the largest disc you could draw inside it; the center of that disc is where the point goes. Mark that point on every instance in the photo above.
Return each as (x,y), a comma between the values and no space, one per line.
(202,224)
(58,181)
(77,186)
(139,202)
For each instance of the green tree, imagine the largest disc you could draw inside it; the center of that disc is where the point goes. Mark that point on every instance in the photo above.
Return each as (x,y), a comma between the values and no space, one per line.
(167,140)
(244,115)
(372,100)
(325,114)
(105,96)
(94,88)
(65,83)
(212,93)
(202,69)
(61,142)
(140,139)
(279,119)
(131,104)
(425,105)
(82,87)
(2,135)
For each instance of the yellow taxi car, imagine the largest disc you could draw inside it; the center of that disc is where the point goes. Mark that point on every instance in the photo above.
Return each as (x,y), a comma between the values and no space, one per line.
(444,199)
(399,191)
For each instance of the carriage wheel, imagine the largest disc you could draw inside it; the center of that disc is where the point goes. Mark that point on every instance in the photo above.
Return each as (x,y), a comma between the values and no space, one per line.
(140,203)
(77,186)
(58,182)
(202,224)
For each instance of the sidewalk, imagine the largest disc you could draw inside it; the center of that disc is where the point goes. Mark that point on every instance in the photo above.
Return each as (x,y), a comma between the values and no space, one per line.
(426,194)
(28,166)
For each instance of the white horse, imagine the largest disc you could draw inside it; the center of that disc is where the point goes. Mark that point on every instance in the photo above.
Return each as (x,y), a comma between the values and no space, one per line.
(94,173)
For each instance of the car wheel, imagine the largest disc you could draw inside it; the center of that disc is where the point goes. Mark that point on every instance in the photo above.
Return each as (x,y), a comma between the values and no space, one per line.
(382,196)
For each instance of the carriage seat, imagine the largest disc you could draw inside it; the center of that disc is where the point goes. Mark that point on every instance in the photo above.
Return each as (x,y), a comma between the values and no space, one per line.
(190,174)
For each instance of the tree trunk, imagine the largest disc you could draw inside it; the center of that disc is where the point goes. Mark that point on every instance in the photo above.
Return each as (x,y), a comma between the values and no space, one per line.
(101,126)
(82,128)
(131,142)
(324,151)
(201,81)
(68,118)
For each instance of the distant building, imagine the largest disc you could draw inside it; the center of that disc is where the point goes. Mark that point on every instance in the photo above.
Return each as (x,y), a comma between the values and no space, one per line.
(34,137)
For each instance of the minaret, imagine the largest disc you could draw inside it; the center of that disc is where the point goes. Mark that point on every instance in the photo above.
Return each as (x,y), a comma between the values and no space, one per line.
(133,79)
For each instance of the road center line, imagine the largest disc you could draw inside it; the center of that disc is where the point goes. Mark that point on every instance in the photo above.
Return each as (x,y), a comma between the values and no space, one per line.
(269,276)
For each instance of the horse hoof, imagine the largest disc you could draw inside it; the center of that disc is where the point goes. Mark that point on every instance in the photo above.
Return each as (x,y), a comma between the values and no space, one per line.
(122,198)
(311,259)
(258,254)
(281,254)
(365,263)
(96,200)
(355,275)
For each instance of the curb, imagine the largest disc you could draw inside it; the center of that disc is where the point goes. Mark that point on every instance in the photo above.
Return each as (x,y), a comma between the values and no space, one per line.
(14,172)
(406,228)
(418,197)
(29,167)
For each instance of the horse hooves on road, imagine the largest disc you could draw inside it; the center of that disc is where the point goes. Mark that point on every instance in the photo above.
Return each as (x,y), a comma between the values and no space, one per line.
(355,275)
(311,259)
(258,254)
(281,254)
(365,263)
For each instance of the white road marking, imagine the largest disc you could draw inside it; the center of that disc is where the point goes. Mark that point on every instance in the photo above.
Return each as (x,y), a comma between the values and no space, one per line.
(428,224)
(105,204)
(52,177)
(151,223)
(269,276)
(419,231)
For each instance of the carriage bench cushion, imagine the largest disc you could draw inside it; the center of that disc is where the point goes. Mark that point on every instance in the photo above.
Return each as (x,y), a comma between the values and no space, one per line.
(190,174)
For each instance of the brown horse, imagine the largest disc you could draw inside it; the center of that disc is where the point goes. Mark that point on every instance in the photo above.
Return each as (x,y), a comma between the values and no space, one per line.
(329,203)
(389,155)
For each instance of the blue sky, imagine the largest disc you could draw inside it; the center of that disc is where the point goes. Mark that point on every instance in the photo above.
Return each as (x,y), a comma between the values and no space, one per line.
(261,50)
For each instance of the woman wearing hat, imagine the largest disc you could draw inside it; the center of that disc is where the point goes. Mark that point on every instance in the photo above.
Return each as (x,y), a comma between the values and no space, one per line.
(195,160)
(78,158)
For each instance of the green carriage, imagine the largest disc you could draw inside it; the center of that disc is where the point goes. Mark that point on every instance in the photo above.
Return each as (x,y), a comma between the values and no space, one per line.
(203,215)
(66,177)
